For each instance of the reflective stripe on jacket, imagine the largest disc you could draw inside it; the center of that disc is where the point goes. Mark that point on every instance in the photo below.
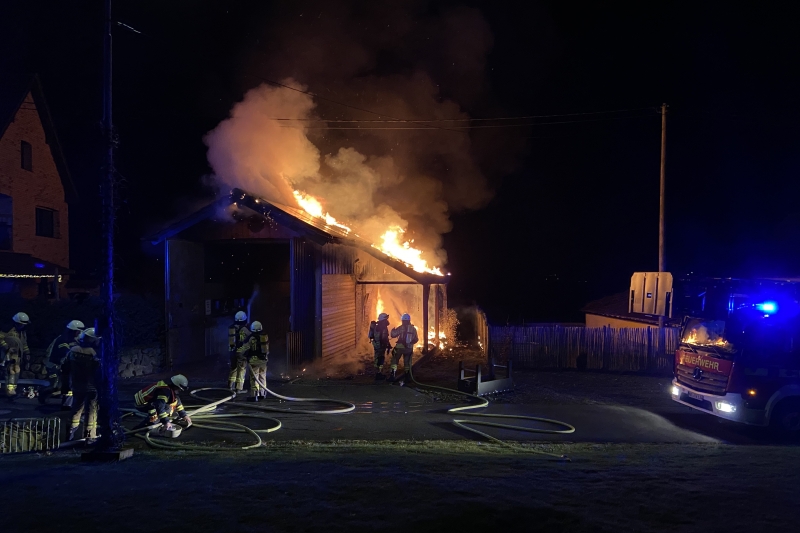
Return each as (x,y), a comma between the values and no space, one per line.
(163,398)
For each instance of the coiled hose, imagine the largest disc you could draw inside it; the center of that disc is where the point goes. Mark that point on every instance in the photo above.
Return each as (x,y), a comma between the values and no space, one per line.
(211,421)
(483,402)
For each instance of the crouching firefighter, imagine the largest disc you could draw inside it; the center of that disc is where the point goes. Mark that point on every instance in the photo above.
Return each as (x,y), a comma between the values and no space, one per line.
(161,401)
(379,336)
(13,349)
(406,336)
(83,368)
(258,356)
(57,354)
(238,337)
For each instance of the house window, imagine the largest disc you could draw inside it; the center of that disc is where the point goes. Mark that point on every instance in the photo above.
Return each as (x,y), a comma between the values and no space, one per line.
(26,150)
(6,222)
(46,222)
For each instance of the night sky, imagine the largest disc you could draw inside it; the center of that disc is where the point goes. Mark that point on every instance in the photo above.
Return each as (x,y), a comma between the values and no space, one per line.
(575,204)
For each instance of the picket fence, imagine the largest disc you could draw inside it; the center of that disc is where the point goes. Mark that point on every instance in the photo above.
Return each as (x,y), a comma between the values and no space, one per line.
(616,349)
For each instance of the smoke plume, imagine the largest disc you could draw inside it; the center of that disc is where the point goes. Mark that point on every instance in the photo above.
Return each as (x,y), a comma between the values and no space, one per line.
(406,61)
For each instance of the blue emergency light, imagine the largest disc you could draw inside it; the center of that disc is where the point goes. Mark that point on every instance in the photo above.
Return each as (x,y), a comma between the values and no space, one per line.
(767,307)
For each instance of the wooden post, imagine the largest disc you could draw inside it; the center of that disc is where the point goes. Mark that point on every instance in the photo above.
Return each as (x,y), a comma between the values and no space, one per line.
(662,258)
(438,311)
(426,294)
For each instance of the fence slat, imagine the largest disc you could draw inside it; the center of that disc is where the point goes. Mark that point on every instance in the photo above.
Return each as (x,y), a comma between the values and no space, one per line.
(628,349)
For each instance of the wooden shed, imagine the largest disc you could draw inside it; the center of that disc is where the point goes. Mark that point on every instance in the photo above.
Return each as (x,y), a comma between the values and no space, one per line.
(314,287)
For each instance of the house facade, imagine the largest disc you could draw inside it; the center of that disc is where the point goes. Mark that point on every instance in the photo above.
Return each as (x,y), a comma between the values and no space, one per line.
(35,190)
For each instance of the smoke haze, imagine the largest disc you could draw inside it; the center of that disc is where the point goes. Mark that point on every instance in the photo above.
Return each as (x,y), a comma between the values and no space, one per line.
(391,60)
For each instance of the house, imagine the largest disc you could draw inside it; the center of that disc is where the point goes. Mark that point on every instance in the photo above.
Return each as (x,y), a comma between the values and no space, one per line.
(314,287)
(35,190)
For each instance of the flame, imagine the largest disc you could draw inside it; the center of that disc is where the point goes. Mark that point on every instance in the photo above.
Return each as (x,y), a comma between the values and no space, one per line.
(379,307)
(392,243)
(312,206)
(432,337)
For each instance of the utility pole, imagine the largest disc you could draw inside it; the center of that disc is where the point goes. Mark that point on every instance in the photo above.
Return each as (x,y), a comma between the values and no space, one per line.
(662,259)
(112,436)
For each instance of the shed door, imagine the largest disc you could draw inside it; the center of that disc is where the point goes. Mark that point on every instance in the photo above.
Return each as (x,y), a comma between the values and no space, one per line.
(185,304)
(338,315)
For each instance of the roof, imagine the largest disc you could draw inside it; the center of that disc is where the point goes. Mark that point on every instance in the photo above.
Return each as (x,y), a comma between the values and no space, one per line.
(14,88)
(26,266)
(616,306)
(298,221)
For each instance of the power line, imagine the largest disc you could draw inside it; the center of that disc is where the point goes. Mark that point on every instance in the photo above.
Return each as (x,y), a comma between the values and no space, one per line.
(522,117)
(309,93)
(465,128)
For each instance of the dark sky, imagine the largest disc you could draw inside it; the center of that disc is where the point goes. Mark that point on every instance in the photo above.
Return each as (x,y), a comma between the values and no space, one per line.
(575,204)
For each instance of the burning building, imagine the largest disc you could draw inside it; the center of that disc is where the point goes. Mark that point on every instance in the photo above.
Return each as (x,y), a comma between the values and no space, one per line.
(312,282)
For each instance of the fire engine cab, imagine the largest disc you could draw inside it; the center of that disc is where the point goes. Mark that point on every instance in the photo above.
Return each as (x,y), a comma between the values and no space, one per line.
(743,364)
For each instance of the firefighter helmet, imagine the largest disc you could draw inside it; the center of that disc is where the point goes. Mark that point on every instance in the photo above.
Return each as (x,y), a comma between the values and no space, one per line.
(76,325)
(241,316)
(256,326)
(180,381)
(383,316)
(22,318)
(88,334)
(406,317)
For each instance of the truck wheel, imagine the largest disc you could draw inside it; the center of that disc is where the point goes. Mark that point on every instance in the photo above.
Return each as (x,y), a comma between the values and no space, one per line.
(786,418)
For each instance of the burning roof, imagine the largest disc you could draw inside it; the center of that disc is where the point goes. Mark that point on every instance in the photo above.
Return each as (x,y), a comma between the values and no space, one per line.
(318,227)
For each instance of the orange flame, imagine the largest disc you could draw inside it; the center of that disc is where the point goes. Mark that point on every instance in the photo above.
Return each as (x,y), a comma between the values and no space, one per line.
(392,243)
(312,206)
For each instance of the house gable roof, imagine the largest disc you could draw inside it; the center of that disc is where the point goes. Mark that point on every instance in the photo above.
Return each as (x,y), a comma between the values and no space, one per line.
(298,221)
(14,88)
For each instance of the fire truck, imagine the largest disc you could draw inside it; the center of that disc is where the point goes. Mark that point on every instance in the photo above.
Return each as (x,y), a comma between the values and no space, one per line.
(739,353)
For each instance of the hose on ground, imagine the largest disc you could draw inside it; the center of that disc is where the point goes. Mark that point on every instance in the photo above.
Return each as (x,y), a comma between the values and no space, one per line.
(204,417)
(482,403)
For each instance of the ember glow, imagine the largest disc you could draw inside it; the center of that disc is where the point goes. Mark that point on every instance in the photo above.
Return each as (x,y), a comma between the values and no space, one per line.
(392,242)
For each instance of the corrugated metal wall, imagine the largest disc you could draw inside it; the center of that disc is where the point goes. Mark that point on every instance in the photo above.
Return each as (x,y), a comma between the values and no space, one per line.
(338,314)
(300,340)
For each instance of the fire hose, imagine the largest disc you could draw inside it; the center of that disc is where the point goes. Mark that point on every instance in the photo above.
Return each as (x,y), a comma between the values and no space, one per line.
(483,402)
(210,420)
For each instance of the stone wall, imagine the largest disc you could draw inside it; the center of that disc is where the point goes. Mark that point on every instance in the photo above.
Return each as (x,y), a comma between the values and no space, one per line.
(141,360)
(133,361)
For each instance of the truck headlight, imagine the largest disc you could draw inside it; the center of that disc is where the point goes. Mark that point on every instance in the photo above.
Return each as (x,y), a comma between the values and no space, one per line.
(726,407)
(676,391)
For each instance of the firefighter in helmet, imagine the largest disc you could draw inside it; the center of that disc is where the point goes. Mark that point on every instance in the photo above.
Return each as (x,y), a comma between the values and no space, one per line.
(238,336)
(379,337)
(13,349)
(57,354)
(83,368)
(161,401)
(257,357)
(407,337)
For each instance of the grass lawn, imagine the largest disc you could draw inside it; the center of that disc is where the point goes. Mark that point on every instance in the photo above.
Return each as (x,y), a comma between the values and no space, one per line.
(410,486)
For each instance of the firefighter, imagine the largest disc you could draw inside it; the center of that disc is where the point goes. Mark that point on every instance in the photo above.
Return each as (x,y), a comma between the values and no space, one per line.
(83,367)
(379,336)
(57,354)
(406,336)
(258,356)
(13,349)
(161,401)
(238,335)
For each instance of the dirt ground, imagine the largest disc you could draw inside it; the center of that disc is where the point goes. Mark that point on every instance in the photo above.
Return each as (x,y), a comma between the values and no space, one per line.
(408,486)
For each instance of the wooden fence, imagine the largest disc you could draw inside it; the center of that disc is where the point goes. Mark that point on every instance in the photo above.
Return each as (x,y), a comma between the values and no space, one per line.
(623,349)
